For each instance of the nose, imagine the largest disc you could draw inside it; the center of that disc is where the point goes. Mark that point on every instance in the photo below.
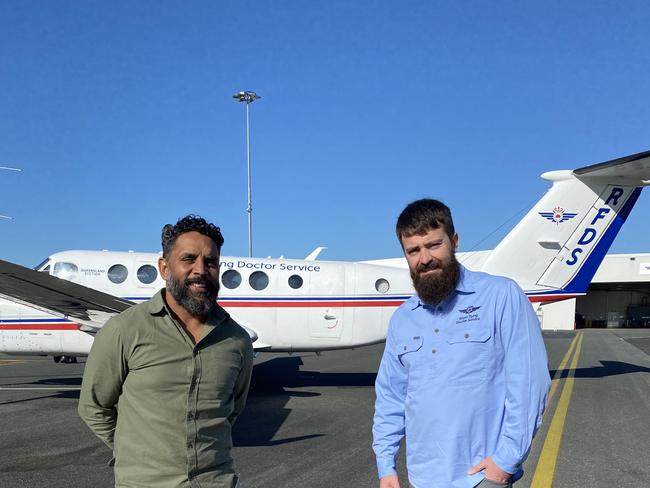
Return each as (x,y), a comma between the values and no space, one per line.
(425,257)
(199,268)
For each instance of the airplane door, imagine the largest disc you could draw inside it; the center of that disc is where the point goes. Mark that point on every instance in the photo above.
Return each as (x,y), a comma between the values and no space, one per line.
(326,320)
(326,323)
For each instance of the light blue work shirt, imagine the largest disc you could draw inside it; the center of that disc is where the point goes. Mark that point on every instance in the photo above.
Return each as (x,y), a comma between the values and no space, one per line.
(462,380)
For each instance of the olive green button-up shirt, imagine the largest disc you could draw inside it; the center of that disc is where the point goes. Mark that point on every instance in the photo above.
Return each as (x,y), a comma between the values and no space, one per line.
(164,405)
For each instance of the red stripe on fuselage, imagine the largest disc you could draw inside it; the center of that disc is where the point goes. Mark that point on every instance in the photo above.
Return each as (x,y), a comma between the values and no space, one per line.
(298,304)
(37,326)
(551,298)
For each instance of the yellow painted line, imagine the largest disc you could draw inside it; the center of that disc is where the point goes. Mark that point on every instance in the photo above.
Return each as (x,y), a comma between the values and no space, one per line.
(545,470)
(558,372)
(5,362)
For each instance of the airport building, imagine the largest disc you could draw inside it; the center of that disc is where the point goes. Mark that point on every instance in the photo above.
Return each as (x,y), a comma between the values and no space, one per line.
(619,296)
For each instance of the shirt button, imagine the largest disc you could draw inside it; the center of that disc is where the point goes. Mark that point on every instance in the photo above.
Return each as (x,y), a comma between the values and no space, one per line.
(190,445)
(405,348)
(436,330)
(466,336)
(190,415)
(433,351)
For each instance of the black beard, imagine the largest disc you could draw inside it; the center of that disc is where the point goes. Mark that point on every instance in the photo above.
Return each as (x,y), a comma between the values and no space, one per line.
(199,305)
(434,289)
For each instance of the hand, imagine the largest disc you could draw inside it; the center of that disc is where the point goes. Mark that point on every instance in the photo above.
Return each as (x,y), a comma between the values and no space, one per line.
(492,471)
(389,481)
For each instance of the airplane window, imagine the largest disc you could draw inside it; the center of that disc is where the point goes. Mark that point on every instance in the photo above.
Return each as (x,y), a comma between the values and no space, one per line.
(118,273)
(66,271)
(231,279)
(382,285)
(258,280)
(147,274)
(295,281)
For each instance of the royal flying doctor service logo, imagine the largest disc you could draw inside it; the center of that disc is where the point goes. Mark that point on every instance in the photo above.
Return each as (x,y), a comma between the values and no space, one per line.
(558,215)
(468,315)
(469,310)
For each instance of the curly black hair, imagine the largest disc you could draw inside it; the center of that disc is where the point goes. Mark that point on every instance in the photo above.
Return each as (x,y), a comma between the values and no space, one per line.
(189,223)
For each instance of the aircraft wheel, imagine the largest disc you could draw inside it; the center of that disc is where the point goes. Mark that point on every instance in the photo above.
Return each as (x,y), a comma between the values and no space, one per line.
(57,359)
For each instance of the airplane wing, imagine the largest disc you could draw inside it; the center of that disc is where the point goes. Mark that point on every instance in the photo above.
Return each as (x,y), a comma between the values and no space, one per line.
(90,308)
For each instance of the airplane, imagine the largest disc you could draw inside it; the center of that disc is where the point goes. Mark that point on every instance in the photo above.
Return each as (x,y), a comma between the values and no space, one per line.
(307,305)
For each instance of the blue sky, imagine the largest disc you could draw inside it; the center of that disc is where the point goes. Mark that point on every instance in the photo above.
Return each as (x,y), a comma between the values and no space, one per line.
(120,115)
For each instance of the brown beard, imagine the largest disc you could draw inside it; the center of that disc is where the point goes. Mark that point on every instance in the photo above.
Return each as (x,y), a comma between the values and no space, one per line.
(434,289)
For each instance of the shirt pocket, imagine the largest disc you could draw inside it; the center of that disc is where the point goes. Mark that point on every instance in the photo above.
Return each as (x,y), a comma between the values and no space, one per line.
(221,373)
(407,351)
(413,357)
(468,354)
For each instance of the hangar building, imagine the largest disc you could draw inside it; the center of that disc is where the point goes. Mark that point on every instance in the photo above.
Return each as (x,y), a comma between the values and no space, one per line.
(619,296)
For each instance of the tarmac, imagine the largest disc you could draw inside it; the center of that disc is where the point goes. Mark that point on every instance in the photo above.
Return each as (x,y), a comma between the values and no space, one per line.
(308,420)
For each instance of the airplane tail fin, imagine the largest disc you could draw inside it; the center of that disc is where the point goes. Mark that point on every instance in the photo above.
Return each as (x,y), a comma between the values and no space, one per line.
(557,247)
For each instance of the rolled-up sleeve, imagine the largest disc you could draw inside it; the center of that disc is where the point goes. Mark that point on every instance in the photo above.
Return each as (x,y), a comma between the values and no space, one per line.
(527,380)
(388,424)
(104,374)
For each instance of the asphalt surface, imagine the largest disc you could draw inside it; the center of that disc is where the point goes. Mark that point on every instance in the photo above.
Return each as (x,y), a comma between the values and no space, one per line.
(308,420)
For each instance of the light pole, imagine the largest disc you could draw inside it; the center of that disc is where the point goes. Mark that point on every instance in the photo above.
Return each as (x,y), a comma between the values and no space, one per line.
(248,97)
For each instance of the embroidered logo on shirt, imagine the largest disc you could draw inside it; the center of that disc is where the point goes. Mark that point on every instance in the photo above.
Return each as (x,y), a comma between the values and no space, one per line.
(469,315)
(470,309)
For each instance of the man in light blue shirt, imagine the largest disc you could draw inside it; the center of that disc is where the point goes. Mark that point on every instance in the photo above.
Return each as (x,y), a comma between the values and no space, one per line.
(464,375)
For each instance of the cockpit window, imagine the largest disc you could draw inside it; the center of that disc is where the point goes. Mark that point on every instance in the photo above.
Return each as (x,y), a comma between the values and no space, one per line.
(66,271)
(118,273)
(147,274)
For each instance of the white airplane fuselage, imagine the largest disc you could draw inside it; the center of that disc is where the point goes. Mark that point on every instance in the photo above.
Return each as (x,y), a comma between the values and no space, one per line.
(306,305)
(291,305)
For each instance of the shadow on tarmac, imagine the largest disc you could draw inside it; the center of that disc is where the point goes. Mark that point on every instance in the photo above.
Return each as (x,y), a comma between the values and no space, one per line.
(608,368)
(266,409)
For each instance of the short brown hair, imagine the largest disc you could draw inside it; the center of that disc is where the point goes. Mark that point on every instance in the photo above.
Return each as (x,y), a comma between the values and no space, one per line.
(422,215)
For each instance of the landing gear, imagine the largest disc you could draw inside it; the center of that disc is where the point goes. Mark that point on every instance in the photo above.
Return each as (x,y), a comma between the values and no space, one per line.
(65,359)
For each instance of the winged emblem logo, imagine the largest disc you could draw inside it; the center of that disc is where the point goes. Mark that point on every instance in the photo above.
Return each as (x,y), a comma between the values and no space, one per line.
(558,215)
(469,309)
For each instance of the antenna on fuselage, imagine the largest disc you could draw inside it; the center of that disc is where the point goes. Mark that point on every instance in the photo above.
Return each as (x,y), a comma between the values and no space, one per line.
(8,168)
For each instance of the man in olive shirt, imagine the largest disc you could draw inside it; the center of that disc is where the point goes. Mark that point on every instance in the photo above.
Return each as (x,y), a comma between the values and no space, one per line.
(166,379)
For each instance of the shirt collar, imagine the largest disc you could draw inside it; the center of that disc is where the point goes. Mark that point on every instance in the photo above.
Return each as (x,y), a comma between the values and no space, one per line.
(465,286)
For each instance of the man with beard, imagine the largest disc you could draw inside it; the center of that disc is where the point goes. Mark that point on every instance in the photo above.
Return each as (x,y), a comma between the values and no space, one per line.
(464,373)
(166,379)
